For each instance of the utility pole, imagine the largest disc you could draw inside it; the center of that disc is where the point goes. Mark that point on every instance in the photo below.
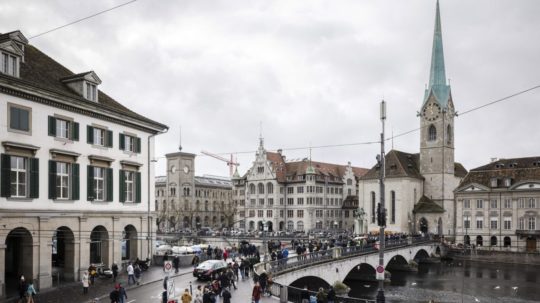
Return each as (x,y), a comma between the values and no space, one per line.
(381,211)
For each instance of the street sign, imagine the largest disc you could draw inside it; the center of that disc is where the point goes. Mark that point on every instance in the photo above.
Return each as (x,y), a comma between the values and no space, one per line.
(380,272)
(167,266)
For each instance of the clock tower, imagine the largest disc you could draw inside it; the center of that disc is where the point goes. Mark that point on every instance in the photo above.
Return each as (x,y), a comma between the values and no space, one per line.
(437,128)
(181,184)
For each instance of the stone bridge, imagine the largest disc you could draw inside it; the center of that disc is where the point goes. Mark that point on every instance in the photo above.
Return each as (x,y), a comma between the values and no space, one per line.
(337,264)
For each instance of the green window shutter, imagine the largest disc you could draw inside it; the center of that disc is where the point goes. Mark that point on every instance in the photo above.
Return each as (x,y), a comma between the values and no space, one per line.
(34,178)
(52,126)
(52,179)
(109,138)
(5,176)
(121,143)
(89,134)
(75,183)
(138,145)
(138,187)
(122,186)
(109,181)
(75,131)
(90,192)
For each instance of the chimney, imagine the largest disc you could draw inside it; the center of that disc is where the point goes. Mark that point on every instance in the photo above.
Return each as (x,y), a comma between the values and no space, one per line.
(493,160)
(279,151)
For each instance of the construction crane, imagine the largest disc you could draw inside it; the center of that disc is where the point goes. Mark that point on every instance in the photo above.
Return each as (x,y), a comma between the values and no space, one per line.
(230,163)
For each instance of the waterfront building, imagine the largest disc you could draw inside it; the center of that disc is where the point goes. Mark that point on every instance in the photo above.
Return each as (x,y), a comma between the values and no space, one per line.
(75,170)
(498,205)
(419,186)
(184,200)
(300,195)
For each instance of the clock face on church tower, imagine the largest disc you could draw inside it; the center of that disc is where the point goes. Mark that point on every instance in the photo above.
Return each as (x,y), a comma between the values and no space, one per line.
(432,111)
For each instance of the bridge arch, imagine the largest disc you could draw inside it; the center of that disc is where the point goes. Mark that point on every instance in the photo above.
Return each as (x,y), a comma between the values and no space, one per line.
(396,262)
(361,272)
(312,283)
(421,254)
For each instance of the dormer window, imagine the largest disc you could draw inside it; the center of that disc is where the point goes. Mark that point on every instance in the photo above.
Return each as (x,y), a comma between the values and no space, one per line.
(91,92)
(84,84)
(10,65)
(507,182)
(494,182)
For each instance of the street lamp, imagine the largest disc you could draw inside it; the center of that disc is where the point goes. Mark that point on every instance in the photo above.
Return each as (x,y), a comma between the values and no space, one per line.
(381,212)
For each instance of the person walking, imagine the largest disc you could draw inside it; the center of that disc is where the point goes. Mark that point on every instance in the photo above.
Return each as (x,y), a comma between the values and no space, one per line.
(176,263)
(186,296)
(85,282)
(131,274)
(114,295)
(122,294)
(304,296)
(93,272)
(226,294)
(30,292)
(22,288)
(138,274)
(114,269)
(256,293)
(320,295)
(331,296)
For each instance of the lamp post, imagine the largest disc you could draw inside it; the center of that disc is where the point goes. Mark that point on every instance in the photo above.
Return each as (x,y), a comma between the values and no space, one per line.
(265,244)
(381,210)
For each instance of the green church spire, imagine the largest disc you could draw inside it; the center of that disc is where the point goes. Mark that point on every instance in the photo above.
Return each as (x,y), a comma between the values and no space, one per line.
(437,77)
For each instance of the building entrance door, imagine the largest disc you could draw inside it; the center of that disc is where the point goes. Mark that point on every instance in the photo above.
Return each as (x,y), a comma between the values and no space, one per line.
(531,244)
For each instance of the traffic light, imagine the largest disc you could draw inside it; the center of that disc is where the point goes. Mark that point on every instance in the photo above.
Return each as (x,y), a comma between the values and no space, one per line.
(381,215)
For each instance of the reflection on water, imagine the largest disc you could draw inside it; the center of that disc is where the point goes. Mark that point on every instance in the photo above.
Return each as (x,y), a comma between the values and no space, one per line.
(458,281)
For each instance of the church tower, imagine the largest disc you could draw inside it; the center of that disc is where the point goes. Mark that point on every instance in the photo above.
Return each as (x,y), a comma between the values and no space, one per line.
(437,128)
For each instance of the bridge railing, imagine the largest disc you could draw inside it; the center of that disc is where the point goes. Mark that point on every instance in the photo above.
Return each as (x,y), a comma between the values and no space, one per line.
(294,294)
(278,266)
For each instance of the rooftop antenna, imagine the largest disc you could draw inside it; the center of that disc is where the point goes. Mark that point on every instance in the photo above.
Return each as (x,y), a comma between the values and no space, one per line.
(180,144)
(260,134)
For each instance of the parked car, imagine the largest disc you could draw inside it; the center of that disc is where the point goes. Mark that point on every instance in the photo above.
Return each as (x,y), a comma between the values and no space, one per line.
(209,270)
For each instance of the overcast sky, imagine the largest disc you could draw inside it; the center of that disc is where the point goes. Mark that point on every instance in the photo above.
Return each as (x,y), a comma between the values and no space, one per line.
(312,72)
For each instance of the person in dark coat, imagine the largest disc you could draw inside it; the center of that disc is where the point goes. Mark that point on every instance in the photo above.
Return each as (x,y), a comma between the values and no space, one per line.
(331,296)
(304,296)
(176,263)
(114,268)
(226,294)
(23,286)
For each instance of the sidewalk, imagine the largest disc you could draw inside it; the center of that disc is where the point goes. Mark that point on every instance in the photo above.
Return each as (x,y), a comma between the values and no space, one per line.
(101,288)
(72,291)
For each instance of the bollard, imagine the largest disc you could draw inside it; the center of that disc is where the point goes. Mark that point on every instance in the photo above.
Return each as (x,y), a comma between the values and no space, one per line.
(283,296)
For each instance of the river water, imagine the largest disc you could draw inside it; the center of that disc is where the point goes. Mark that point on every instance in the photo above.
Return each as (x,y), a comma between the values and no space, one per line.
(458,281)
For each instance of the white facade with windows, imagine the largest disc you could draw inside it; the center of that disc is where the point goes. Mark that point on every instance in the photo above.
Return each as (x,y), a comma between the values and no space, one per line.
(503,198)
(296,195)
(81,192)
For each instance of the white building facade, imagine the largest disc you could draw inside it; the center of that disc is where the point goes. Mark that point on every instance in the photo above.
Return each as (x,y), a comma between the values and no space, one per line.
(75,171)
(498,206)
(304,195)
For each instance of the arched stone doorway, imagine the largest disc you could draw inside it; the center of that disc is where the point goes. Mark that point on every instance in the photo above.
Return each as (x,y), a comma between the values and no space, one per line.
(129,243)
(19,258)
(479,241)
(270,226)
(187,222)
(423,225)
(260,226)
(99,245)
(63,253)
(198,222)
(281,225)
(251,225)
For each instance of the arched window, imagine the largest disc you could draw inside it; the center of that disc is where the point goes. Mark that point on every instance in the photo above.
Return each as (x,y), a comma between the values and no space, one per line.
(261,188)
(252,188)
(300,225)
(157,206)
(270,188)
(164,205)
(373,216)
(198,205)
(290,225)
(449,134)
(206,205)
(479,241)
(507,242)
(432,133)
(493,241)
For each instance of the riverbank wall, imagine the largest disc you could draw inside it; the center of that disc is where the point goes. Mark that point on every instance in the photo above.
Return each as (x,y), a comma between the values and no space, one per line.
(492,256)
